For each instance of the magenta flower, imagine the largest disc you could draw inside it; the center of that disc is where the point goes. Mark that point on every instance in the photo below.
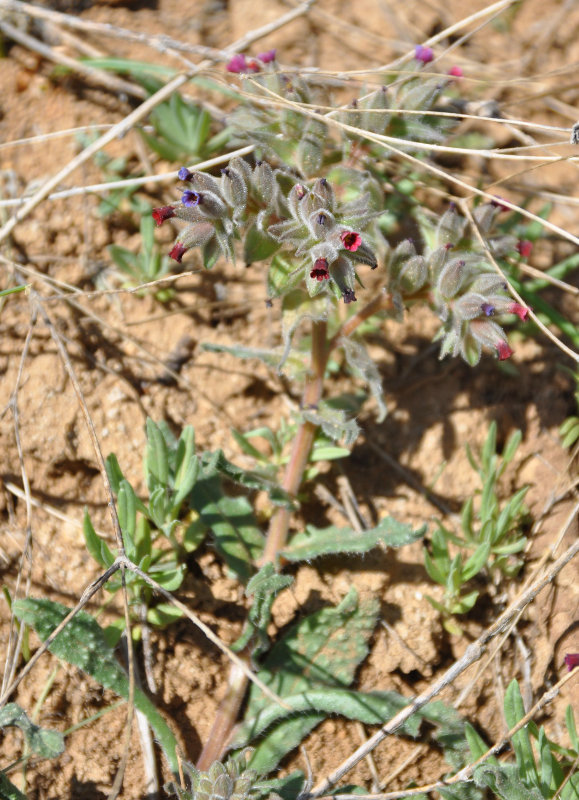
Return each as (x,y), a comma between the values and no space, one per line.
(497,203)
(190,199)
(525,247)
(504,350)
(266,57)
(572,660)
(163,213)
(237,63)
(178,251)
(424,54)
(521,311)
(320,271)
(351,240)
(456,72)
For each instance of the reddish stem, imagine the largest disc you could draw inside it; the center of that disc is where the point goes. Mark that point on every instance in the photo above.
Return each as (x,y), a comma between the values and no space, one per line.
(279,526)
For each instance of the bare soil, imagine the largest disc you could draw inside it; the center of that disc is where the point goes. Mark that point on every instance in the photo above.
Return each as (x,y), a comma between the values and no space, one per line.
(119,343)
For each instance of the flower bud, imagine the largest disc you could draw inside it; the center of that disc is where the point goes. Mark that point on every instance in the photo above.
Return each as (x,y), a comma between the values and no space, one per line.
(343,274)
(234,188)
(413,275)
(423,54)
(450,227)
(451,278)
(485,216)
(263,182)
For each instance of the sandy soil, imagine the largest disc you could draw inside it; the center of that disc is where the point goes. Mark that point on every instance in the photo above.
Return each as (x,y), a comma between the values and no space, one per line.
(119,343)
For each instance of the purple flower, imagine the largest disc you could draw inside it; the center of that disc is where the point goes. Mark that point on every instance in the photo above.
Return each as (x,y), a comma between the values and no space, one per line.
(349,296)
(423,54)
(163,213)
(190,198)
(178,251)
(488,309)
(184,174)
(237,63)
(572,660)
(266,57)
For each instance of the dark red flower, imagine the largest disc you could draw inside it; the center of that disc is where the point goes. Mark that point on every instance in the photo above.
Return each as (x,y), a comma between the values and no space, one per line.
(163,213)
(572,660)
(521,311)
(525,247)
(497,203)
(320,271)
(504,351)
(351,240)
(178,252)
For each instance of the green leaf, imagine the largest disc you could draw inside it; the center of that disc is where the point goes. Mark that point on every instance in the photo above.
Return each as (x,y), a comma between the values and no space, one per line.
(476,562)
(257,246)
(127,511)
(571,728)
(264,586)
(157,458)
(8,791)
(315,542)
(41,741)
(216,462)
(186,467)
(82,643)
(372,708)
(163,614)
(323,650)
(514,711)
(505,781)
(96,546)
(232,523)
(114,472)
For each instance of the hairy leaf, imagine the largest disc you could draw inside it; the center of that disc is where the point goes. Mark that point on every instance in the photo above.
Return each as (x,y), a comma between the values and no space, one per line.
(315,542)
(82,643)
(42,742)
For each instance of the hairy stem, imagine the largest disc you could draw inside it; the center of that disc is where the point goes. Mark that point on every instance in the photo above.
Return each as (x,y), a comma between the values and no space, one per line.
(278,530)
(279,526)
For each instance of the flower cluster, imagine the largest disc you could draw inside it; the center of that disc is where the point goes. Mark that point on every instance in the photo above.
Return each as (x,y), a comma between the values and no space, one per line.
(229,781)
(273,211)
(466,293)
(240,64)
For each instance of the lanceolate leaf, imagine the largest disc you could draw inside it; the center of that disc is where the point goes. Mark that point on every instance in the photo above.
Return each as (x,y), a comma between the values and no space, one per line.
(322,651)
(8,791)
(316,542)
(82,643)
(373,709)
